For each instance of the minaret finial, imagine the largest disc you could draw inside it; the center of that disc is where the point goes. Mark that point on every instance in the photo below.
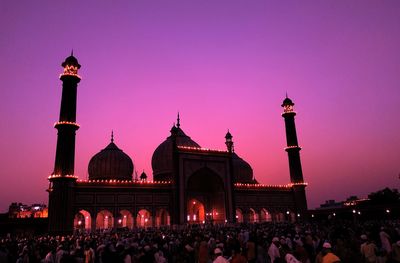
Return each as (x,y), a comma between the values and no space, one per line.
(112,136)
(72,52)
(286,95)
(178,121)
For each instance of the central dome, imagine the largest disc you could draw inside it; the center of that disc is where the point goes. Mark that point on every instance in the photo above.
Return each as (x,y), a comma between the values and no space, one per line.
(161,161)
(111,163)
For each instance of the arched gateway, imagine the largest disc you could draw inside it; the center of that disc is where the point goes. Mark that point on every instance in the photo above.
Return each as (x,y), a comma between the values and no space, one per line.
(205,197)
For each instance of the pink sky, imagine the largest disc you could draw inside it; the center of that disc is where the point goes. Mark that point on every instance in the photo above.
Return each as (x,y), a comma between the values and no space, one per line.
(222,64)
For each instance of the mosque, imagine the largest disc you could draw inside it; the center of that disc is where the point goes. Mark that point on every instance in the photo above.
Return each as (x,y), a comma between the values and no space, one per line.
(191,184)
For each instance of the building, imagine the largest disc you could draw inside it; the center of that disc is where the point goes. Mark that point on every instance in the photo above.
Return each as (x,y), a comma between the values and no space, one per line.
(191,184)
(19,210)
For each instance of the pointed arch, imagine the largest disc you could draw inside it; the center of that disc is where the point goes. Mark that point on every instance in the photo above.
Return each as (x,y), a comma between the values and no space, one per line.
(83,220)
(265,215)
(104,220)
(125,219)
(162,217)
(143,218)
(239,215)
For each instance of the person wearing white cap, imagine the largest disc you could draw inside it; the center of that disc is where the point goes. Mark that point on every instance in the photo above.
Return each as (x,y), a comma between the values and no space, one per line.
(273,250)
(219,258)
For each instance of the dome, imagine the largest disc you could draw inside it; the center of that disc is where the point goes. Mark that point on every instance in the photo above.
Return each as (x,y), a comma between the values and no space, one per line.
(72,61)
(242,171)
(111,163)
(161,161)
(287,101)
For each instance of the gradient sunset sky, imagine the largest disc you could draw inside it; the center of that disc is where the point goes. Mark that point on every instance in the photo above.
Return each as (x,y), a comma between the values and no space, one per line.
(221,64)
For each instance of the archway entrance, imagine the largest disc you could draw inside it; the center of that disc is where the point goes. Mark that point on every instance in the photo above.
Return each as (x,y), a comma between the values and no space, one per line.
(162,217)
(265,215)
(143,218)
(205,197)
(125,219)
(252,216)
(82,220)
(104,220)
(239,216)
(195,211)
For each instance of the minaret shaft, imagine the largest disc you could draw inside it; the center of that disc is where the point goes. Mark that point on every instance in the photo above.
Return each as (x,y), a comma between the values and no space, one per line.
(68,100)
(293,149)
(65,152)
(291,136)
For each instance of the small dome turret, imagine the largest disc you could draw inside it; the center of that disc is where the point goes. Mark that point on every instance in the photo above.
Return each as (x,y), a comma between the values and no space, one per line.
(71,61)
(143,176)
(287,102)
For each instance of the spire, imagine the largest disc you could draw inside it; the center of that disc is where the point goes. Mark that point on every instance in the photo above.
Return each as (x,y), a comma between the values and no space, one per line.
(72,52)
(178,121)
(229,142)
(112,136)
(286,95)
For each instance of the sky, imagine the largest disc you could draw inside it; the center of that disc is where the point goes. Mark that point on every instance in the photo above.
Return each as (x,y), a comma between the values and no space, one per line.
(222,65)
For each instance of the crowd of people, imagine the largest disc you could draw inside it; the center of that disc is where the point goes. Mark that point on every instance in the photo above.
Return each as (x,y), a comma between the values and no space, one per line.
(339,241)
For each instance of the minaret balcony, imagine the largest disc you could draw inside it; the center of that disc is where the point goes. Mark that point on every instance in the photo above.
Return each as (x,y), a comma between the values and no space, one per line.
(67,123)
(288,113)
(294,147)
(59,176)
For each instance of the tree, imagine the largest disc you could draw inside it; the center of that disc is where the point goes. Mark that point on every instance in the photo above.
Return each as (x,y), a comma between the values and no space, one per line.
(385,196)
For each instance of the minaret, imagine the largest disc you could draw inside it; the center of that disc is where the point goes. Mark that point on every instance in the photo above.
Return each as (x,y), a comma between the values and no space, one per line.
(63,178)
(231,201)
(293,150)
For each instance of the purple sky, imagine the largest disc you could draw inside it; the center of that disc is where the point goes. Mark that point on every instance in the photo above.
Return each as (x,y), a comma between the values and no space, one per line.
(222,64)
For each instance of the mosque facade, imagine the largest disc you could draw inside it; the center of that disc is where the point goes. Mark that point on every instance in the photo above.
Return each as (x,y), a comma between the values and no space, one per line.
(191,184)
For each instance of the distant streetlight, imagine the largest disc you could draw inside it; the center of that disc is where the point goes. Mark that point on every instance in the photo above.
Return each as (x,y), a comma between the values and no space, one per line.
(387,211)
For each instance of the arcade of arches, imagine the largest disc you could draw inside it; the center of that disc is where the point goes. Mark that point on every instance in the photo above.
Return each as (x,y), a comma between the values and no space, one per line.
(197,214)
(104,219)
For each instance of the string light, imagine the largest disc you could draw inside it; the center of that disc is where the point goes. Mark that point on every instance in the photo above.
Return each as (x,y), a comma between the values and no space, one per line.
(122,182)
(66,123)
(292,147)
(290,185)
(70,70)
(198,149)
(52,176)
